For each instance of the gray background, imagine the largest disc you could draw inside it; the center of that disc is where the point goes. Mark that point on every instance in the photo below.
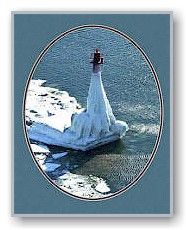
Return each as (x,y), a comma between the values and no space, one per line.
(33,194)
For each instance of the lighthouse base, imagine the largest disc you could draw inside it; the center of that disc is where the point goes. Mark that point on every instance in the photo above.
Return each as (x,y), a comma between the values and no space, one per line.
(69,139)
(68,126)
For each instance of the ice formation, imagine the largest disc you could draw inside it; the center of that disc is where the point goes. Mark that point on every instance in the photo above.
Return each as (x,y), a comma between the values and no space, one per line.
(67,125)
(58,121)
(97,125)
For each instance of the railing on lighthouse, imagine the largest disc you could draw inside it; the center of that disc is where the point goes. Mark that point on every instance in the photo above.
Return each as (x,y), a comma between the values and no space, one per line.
(96,59)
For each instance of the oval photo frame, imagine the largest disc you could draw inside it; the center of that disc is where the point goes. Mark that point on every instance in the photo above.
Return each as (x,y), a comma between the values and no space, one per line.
(160,103)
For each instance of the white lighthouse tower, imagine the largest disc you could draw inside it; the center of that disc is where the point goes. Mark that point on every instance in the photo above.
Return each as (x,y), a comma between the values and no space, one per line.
(97,102)
(97,125)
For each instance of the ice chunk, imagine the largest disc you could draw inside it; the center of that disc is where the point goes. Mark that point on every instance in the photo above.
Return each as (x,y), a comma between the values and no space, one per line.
(50,167)
(102,187)
(41,158)
(58,155)
(145,128)
(39,148)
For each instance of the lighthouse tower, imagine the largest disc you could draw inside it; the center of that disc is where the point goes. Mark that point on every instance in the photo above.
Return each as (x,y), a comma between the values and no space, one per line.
(97,125)
(98,107)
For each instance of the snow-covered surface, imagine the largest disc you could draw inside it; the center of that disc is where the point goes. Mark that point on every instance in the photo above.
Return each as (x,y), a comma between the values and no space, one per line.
(53,117)
(84,186)
(48,107)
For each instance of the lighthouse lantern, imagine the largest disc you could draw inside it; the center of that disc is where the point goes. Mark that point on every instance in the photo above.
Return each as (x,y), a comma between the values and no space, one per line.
(96,59)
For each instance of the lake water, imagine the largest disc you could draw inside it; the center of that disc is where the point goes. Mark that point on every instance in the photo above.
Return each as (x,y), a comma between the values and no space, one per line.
(132,92)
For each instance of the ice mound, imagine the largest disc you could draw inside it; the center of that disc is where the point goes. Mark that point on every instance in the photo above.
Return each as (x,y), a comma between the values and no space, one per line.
(53,117)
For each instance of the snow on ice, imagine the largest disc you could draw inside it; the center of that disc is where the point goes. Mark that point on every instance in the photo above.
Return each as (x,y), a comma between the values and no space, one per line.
(53,117)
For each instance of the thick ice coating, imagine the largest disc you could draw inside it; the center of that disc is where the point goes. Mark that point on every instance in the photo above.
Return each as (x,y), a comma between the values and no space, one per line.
(89,128)
(98,121)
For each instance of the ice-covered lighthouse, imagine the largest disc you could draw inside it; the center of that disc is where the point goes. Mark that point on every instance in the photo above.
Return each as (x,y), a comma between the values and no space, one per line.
(97,125)
(87,129)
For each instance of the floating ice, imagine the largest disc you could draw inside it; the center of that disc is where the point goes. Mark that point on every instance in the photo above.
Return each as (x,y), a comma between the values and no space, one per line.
(68,126)
(39,148)
(102,187)
(50,167)
(58,155)
(146,128)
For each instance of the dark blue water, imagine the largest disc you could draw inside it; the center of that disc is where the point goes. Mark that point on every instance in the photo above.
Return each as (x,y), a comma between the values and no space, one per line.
(132,92)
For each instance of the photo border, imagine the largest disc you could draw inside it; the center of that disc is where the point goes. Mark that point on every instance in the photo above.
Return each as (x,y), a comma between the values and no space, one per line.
(171,113)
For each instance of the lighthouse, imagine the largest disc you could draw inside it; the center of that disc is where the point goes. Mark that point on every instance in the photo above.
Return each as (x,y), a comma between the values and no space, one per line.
(97,125)
(97,60)
(99,110)
(91,127)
